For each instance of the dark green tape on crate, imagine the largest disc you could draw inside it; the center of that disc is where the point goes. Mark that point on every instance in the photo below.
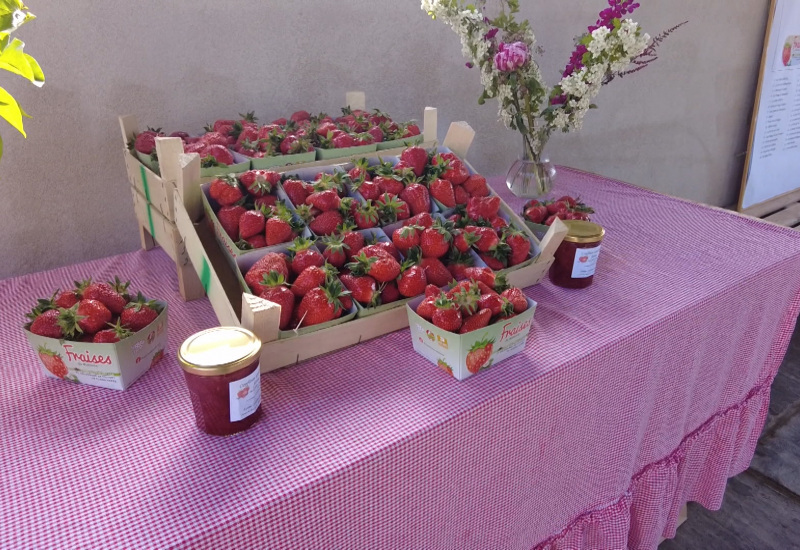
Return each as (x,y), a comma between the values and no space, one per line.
(150,220)
(144,183)
(205,275)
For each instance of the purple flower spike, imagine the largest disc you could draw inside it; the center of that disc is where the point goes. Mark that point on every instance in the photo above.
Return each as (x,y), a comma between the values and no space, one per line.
(491,34)
(510,57)
(469,65)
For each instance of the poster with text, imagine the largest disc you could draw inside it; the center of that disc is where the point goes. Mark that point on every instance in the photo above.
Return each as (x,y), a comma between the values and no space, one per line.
(774,167)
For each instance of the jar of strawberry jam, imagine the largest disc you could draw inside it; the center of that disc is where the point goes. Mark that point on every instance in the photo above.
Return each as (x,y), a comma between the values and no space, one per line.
(221,367)
(576,257)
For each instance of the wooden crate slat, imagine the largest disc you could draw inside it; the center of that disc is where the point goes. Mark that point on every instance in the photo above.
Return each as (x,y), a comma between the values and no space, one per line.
(788,217)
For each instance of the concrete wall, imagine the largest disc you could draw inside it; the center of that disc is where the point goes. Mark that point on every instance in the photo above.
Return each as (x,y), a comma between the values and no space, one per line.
(677,127)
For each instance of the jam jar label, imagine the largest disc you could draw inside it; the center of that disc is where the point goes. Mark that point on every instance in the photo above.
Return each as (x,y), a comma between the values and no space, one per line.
(585,262)
(245,395)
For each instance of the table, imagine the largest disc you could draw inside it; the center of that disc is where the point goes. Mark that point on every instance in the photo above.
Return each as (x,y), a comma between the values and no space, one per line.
(642,392)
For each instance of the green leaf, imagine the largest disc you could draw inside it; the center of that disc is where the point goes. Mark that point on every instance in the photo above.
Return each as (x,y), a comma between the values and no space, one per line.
(10,110)
(586,40)
(12,19)
(14,60)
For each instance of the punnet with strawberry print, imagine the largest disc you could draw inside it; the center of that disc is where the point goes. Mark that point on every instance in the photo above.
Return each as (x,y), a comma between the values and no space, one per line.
(114,365)
(462,355)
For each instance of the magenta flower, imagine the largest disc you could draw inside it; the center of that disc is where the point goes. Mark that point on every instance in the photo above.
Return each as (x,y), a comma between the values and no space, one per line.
(510,57)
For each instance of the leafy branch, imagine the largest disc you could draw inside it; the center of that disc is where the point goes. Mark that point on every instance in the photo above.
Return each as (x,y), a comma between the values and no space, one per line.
(646,57)
(14,14)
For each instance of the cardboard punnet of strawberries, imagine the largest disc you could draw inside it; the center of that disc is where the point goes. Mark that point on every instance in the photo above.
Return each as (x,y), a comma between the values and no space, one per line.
(98,333)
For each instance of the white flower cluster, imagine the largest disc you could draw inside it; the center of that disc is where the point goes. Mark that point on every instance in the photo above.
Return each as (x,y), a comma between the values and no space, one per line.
(610,52)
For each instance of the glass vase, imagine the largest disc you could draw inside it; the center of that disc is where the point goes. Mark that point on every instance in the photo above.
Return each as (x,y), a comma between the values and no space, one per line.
(531,176)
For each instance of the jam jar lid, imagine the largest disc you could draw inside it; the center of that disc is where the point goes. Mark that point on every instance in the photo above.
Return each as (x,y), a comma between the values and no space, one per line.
(219,350)
(581,231)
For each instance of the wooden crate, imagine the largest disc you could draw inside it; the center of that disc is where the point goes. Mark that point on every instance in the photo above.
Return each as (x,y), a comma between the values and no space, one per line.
(233,307)
(157,230)
(159,188)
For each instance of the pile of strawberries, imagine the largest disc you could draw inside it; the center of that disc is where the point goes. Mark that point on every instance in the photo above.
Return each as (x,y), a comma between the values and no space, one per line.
(385,194)
(357,127)
(472,304)
(250,212)
(92,312)
(565,208)
(211,146)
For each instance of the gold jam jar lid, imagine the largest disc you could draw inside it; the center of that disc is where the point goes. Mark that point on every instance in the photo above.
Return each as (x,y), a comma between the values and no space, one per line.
(581,231)
(219,350)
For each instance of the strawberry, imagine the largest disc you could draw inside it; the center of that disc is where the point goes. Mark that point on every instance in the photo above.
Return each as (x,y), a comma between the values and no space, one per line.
(112,295)
(559,208)
(251,223)
(53,362)
(460,195)
(335,252)
(392,209)
(326,223)
(435,241)
(66,299)
(406,237)
(476,186)
(321,304)
(370,190)
(432,290)
(517,299)
(389,184)
(496,262)
(417,197)
(304,255)
(463,240)
(229,217)
(426,307)
(324,200)
(267,201)
(383,248)
(484,288)
(367,215)
(47,324)
(412,281)
(260,183)
(487,237)
(479,356)
(384,269)
(273,288)
(476,321)
(272,261)
(145,142)
(299,116)
(278,231)
(417,158)
(297,191)
(551,219)
(453,170)
(256,241)
(423,220)
(292,145)
(214,138)
(411,130)
(498,223)
(536,213)
(363,288)
(435,271)
(352,240)
(493,302)
(389,293)
(483,207)
(447,316)
(139,313)
(343,141)
(91,315)
(442,191)
(111,335)
(217,155)
(483,274)
(225,190)
(465,295)
(520,245)
(311,277)
(457,264)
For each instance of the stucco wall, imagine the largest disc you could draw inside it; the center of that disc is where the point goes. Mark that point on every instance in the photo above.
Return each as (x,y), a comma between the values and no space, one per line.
(676,127)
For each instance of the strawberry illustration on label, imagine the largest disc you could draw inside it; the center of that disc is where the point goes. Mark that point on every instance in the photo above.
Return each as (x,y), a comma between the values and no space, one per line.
(787,54)
(445,367)
(243,392)
(157,357)
(479,355)
(52,362)
(583,259)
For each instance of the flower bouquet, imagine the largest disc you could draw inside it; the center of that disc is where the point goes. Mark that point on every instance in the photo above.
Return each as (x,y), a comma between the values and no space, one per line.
(502,49)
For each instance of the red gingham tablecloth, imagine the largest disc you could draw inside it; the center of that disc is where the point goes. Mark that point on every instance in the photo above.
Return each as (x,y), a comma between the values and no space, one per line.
(642,392)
